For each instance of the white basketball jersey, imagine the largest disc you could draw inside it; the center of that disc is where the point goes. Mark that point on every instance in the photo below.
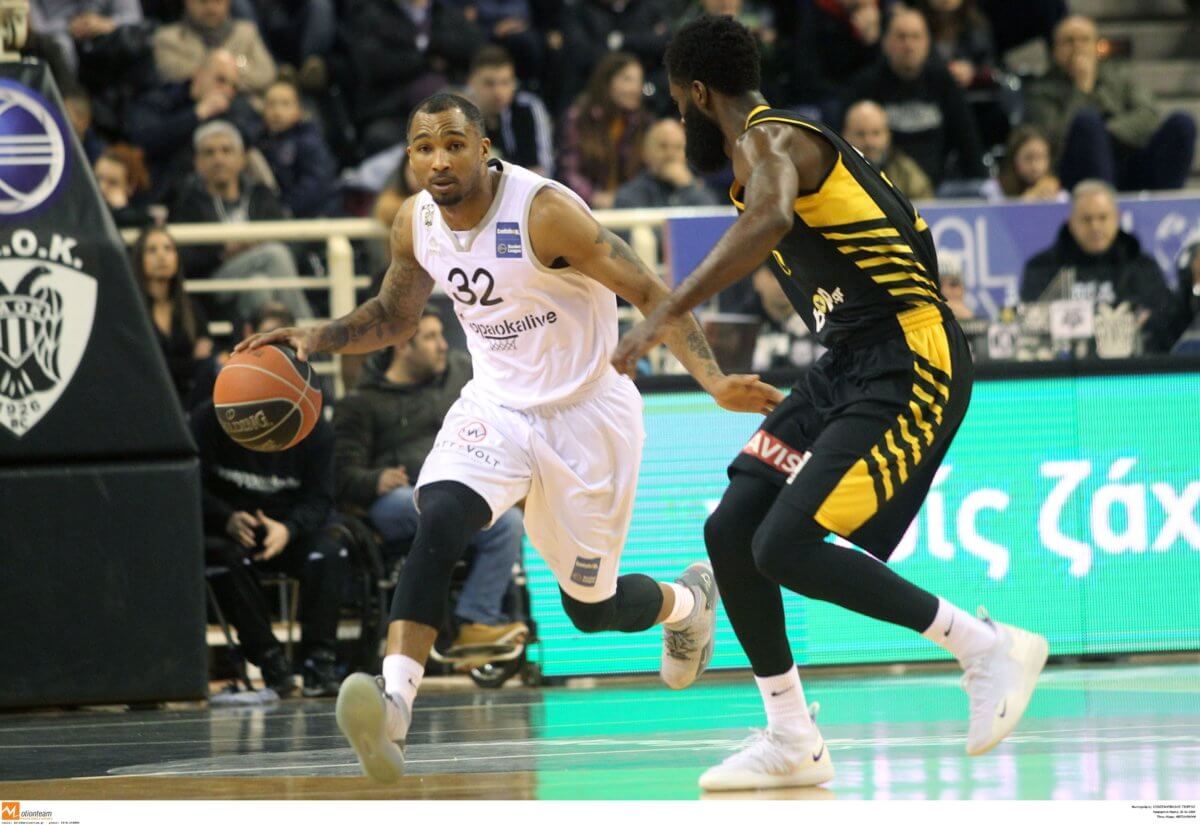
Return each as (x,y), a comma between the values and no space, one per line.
(537,335)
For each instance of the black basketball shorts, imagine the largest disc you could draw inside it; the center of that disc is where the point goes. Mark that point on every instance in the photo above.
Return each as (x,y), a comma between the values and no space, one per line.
(857,442)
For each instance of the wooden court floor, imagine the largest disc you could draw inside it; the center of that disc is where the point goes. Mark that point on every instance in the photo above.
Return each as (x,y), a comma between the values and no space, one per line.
(1093,732)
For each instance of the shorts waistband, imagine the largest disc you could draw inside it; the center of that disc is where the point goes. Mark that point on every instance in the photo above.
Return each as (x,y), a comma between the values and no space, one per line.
(908,321)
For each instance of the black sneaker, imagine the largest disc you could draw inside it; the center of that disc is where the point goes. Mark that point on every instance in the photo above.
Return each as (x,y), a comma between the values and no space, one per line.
(320,676)
(277,672)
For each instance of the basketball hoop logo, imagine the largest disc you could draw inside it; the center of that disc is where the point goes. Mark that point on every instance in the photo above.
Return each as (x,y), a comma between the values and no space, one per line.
(47,306)
(33,155)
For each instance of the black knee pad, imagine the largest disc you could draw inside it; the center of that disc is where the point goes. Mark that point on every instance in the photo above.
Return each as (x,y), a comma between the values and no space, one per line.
(633,608)
(451,514)
(590,617)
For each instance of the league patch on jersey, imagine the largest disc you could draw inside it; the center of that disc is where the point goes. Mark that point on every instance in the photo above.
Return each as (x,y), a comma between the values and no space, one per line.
(508,240)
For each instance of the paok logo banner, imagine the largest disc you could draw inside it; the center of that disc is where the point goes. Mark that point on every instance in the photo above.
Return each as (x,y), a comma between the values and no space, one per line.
(33,155)
(47,307)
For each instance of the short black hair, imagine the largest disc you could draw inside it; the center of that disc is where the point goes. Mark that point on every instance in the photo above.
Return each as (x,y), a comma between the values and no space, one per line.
(444,102)
(490,56)
(719,52)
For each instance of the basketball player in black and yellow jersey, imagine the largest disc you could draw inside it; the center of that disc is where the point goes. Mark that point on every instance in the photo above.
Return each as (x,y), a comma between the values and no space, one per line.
(853,449)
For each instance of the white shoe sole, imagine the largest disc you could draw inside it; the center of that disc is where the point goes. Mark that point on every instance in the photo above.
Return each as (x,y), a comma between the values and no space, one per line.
(1031,650)
(362,719)
(736,780)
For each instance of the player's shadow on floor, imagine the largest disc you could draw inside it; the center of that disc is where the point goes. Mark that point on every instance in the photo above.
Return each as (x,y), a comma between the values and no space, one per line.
(814,794)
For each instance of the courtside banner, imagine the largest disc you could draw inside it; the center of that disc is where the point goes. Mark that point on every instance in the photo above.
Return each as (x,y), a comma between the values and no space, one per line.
(1070,506)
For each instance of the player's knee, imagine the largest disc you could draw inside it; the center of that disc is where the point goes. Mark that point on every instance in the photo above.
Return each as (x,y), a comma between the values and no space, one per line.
(590,617)
(725,531)
(770,549)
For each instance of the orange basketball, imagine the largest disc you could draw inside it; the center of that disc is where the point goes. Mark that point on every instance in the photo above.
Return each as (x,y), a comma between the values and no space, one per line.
(266,398)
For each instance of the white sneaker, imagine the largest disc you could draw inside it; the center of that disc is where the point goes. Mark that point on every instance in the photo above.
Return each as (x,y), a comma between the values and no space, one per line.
(772,761)
(688,643)
(375,724)
(1000,683)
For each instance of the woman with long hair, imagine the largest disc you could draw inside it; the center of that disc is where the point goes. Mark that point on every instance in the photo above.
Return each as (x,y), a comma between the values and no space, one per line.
(601,137)
(179,323)
(1025,172)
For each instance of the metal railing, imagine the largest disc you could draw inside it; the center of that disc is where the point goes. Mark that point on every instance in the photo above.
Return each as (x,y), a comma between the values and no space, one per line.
(342,282)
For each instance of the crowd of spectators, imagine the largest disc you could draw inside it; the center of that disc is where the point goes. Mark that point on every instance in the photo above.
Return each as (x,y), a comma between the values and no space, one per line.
(301,105)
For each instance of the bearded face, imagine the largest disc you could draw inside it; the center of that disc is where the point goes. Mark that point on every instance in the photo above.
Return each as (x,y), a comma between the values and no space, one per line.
(705,141)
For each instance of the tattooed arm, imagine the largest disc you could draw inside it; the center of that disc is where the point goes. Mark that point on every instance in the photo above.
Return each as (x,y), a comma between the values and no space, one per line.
(559,227)
(388,319)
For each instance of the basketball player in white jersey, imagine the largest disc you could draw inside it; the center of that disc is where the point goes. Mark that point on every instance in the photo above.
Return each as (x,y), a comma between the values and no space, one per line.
(546,419)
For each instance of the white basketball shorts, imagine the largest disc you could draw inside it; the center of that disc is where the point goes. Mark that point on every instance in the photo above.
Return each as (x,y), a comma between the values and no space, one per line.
(576,466)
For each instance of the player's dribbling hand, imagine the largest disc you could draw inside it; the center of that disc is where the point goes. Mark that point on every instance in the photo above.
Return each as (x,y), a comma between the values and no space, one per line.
(295,337)
(745,393)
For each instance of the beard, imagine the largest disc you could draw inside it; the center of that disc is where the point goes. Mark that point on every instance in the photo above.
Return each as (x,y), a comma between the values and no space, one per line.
(705,146)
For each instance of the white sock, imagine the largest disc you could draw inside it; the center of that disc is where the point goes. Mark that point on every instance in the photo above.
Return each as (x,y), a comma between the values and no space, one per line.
(959,632)
(783,697)
(401,677)
(685,602)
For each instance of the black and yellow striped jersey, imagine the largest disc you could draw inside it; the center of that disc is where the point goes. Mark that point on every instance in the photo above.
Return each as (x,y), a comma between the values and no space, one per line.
(858,254)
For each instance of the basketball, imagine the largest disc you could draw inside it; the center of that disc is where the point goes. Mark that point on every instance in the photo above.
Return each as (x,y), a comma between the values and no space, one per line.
(266,399)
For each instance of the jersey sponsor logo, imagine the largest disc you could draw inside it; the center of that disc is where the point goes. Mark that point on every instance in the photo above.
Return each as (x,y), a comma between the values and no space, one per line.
(473,432)
(823,303)
(504,336)
(586,571)
(427,214)
(508,240)
(47,306)
(774,453)
(33,154)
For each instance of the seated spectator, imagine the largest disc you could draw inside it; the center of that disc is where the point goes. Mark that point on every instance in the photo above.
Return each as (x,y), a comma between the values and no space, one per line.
(401,186)
(926,109)
(597,29)
(164,119)
(1102,123)
(180,324)
(509,24)
(1095,260)
(1025,172)
(962,38)
(600,143)
(835,40)
(71,22)
(666,179)
(78,106)
(220,194)
(384,431)
(300,161)
(180,49)
(271,513)
(517,122)
(403,51)
(784,342)
(299,33)
(866,128)
(123,181)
